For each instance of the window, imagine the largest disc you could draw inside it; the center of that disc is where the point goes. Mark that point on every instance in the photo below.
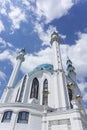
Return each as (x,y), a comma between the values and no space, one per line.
(17,95)
(70,96)
(22,89)
(34,89)
(23,117)
(45,92)
(7,116)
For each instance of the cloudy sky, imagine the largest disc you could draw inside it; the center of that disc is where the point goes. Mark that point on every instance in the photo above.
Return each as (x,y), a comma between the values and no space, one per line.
(29,23)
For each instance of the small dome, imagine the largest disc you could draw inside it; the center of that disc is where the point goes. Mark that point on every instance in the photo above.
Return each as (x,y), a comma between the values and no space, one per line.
(22,50)
(54,33)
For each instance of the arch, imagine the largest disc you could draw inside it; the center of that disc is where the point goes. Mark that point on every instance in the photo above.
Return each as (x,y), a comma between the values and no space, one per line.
(45,92)
(23,117)
(22,89)
(17,95)
(7,116)
(34,88)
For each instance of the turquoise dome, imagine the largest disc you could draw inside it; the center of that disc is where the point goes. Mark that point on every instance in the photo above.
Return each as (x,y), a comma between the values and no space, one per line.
(47,67)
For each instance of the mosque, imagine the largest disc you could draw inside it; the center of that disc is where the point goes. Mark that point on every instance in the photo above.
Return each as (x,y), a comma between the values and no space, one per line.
(45,99)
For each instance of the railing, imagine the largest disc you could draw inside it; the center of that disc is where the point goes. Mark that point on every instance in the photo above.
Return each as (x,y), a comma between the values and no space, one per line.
(48,109)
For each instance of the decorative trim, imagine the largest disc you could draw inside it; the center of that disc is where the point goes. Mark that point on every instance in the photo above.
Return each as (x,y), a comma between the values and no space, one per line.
(77,118)
(59,122)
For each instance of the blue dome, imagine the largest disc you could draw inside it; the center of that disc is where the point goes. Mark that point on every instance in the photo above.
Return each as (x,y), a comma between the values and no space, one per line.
(47,67)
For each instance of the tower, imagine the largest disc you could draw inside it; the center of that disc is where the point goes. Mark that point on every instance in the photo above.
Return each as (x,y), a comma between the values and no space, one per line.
(20,59)
(61,93)
(12,81)
(71,70)
(73,89)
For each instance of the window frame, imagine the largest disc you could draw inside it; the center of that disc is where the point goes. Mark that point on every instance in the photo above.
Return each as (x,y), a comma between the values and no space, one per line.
(23,117)
(22,89)
(45,92)
(34,89)
(7,116)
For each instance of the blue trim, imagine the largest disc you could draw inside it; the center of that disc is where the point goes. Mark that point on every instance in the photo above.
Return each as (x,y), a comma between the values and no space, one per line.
(47,67)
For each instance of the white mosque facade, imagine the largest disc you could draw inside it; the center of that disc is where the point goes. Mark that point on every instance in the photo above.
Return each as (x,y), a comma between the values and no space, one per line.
(45,99)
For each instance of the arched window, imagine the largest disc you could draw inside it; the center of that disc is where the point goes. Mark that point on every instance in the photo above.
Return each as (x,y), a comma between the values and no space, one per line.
(45,92)
(22,89)
(7,116)
(17,95)
(23,117)
(35,88)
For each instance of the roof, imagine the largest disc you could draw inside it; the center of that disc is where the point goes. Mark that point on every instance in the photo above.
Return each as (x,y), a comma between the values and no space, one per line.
(47,67)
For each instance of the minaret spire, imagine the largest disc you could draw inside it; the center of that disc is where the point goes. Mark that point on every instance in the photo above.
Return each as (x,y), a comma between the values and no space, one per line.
(55,43)
(20,59)
(71,70)
(61,92)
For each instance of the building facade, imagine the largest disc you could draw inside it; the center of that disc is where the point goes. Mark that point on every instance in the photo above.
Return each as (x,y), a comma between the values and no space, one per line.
(45,99)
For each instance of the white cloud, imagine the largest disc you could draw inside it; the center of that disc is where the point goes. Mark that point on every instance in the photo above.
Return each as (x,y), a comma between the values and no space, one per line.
(2,28)
(62,36)
(3,11)
(78,54)
(17,16)
(4,44)
(4,55)
(15,13)
(47,8)
(8,55)
(52,9)
(83,88)
(26,2)
(45,35)
(31,61)
(3,6)
(2,75)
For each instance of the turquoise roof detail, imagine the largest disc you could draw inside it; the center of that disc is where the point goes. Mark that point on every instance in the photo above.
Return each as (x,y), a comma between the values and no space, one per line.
(47,67)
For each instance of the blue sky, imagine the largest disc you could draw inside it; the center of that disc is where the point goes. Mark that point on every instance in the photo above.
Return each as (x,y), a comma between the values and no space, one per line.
(29,23)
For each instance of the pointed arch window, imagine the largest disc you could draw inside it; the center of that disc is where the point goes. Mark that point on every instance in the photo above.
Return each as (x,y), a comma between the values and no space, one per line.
(22,89)
(17,95)
(45,92)
(34,88)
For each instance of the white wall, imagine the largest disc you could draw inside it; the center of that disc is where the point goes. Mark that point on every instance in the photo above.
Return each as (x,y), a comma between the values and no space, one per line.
(34,121)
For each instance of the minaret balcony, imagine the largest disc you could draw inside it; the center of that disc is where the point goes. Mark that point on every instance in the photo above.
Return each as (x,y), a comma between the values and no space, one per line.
(71,85)
(54,37)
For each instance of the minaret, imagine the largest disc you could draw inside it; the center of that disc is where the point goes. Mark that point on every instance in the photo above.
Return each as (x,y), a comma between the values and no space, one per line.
(12,81)
(20,59)
(77,98)
(71,70)
(61,92)
(55,43)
